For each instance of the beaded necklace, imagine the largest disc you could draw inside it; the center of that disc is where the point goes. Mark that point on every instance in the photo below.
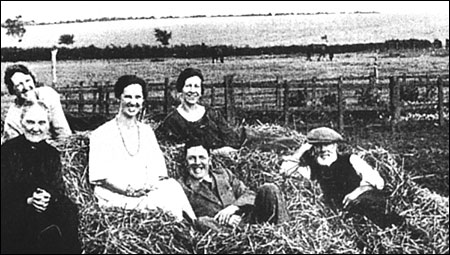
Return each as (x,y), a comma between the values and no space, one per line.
(123,140)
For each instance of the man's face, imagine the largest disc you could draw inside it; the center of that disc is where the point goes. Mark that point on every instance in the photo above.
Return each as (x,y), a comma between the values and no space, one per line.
(131,100)
(198,162)
(24,86)
(192,90)
(35,124)
(325,152)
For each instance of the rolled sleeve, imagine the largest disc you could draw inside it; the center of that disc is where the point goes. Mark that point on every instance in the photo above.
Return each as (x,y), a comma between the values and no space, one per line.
(369,176)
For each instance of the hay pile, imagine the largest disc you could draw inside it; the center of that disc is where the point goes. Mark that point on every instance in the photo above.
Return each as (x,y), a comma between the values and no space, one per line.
(313,228)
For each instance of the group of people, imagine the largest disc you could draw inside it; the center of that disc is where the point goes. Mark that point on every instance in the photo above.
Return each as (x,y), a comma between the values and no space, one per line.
(127,167)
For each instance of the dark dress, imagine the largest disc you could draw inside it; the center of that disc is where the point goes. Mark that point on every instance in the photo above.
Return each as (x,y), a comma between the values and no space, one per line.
(26,166)
(211,129)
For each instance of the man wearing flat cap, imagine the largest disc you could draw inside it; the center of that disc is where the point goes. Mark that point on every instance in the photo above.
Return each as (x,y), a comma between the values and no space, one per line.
(347,181)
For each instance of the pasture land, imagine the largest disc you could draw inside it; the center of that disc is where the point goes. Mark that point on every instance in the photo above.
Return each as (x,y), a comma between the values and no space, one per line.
(249,68)
(242,31)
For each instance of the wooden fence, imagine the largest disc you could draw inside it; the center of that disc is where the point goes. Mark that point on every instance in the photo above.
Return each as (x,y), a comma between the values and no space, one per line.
(392,94)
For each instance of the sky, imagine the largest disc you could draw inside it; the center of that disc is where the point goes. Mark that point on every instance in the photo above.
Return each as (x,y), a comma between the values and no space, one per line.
(53,11)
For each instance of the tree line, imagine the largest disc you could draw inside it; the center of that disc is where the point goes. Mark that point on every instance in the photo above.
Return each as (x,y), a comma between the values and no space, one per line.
(13,54)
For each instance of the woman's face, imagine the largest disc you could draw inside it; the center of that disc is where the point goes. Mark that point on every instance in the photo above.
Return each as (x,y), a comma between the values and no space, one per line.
(192,90)
(131,100)
(24,86)
(35,124)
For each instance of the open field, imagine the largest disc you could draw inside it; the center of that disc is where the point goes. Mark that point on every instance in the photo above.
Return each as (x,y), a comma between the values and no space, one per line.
(251,68)
(241,31)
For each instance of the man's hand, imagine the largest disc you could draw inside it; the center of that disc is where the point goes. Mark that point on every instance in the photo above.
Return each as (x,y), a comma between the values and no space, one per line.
(304,148)
(39,200)
(226,151)
(224,216)
(350,197)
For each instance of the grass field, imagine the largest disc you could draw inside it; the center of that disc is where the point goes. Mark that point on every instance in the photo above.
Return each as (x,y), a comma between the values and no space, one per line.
(247,68)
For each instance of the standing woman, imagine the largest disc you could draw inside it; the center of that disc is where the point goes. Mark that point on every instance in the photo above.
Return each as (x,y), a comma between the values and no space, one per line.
(36,215)
(192,121)
(126,164)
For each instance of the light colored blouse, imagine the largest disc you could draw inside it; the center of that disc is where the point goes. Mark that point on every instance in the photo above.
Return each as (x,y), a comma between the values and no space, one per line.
(59,127)
(109,158)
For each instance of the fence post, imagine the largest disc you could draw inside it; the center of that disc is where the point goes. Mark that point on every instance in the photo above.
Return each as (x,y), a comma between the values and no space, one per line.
(394,93)
(286,103)
(100,100)
(229,98)
(54,52)
(340,105)
(213,95)
(80,98)
(440,101)
(106,96)
(94,98)
(278,92)
(166,96)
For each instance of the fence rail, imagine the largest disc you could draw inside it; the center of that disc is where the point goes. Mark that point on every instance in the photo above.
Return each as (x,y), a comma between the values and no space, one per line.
(366,93)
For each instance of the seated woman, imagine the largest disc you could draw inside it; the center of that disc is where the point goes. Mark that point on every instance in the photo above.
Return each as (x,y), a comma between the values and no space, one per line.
(191,120)
(36,216)
(126,164)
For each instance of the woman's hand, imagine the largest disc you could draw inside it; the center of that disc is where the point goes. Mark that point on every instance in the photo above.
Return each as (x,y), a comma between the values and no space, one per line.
(40,200)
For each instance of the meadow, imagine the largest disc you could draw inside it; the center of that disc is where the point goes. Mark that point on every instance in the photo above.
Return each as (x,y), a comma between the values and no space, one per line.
(245,68)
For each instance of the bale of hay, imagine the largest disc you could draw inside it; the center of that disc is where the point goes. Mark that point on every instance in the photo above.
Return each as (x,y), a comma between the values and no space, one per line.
(313,227)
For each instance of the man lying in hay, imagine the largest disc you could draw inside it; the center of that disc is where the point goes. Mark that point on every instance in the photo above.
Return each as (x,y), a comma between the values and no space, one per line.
(218,197)
(347,181)
(313,227)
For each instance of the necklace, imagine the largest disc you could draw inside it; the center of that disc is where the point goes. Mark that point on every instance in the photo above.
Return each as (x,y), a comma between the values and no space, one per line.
(123,140)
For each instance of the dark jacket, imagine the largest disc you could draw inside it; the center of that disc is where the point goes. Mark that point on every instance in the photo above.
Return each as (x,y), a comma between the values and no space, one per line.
(229,191)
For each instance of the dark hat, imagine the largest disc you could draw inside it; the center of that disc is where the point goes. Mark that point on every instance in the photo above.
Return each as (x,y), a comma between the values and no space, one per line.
(323,135)
(187,73)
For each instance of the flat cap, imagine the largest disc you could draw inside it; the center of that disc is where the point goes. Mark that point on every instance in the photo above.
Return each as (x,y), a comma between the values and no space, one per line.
(323,135)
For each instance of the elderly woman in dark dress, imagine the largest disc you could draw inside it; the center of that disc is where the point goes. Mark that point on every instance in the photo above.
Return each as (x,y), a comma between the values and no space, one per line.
(36,216)
(191,120)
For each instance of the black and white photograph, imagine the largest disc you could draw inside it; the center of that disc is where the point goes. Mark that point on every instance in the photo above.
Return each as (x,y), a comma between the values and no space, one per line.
(231,127)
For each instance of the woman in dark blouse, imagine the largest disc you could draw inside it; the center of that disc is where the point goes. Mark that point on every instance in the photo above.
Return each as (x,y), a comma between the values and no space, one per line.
(191,120)
(36,216)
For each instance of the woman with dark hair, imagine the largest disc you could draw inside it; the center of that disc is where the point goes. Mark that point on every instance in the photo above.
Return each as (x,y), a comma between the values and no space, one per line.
(126,164)
(36,215)
(191,120)
(21,82)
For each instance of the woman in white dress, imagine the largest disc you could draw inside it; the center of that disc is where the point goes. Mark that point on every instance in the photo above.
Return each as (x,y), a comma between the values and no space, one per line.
(126,164)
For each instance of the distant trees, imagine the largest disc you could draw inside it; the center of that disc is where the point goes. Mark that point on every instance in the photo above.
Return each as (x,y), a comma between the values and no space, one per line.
(66,39)
(163,36)
(15,27)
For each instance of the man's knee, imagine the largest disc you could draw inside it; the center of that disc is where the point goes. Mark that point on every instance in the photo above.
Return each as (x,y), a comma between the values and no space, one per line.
(269,188)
